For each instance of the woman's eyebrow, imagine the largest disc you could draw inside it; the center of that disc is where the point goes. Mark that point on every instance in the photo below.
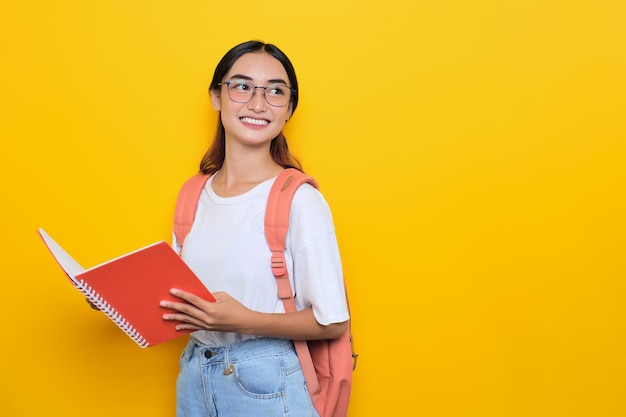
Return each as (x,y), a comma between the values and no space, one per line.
(247,78)
(277,81)
(241,77)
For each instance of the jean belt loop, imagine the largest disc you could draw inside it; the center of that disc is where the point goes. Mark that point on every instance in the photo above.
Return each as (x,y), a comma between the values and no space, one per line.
(189,350)
(228,367)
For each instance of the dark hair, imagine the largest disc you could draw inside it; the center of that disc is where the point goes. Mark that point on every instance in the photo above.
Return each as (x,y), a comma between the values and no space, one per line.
(214,157)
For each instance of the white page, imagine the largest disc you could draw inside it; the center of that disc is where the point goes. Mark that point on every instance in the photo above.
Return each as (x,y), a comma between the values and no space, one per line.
(69,265)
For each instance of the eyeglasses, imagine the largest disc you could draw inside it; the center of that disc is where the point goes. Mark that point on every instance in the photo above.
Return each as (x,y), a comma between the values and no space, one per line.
(241,91)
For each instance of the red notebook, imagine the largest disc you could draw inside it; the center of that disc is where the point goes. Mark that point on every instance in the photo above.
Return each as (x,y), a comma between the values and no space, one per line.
(128,289)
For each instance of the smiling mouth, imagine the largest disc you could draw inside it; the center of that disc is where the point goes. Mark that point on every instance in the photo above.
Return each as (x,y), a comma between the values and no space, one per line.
(257,122)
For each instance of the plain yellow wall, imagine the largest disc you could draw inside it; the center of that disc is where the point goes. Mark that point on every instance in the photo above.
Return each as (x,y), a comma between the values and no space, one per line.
(472,152)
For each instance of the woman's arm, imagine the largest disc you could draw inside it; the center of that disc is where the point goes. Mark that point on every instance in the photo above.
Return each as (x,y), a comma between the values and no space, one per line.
(228,315)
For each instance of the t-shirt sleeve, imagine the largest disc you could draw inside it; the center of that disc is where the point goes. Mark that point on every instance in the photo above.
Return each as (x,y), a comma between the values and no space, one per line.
(317,268)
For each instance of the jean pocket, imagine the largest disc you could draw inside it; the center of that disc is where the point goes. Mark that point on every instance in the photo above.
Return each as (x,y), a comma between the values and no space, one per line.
(261,377)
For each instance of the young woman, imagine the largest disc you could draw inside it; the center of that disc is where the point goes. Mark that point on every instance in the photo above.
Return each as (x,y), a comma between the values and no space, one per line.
(240,361)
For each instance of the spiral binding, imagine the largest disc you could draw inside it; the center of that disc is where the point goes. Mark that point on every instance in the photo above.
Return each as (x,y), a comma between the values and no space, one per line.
(113,314)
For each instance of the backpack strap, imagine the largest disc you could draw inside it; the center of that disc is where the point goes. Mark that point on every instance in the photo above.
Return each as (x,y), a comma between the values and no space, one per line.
(186,205)
(276,227)
(277,223)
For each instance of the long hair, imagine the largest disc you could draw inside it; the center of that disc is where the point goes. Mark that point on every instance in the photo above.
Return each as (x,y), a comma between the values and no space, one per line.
(213,159)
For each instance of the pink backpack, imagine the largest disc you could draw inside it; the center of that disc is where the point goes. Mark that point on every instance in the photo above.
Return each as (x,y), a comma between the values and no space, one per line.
(327,364)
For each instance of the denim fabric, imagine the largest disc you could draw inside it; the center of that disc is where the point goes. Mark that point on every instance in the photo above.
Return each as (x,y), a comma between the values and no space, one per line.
(258,377)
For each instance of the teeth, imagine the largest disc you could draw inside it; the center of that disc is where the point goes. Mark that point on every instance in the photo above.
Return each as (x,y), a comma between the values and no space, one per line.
(258,122)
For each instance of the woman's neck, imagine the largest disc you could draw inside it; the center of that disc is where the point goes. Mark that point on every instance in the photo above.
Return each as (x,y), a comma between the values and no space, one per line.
(240,173)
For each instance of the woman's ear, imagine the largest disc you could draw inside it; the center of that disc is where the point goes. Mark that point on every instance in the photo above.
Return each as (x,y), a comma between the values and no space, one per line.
(216,100)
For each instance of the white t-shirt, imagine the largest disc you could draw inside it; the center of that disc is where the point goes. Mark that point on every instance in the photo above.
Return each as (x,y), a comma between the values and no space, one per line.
(226,248)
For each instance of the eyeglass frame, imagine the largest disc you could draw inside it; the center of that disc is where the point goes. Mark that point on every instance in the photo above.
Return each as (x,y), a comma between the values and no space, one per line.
(292,91)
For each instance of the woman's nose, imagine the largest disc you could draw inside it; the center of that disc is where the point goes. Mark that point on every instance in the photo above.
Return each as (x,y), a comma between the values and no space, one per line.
(258,102)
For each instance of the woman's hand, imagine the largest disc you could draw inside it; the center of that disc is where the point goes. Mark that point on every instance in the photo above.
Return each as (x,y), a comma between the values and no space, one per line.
(226,314)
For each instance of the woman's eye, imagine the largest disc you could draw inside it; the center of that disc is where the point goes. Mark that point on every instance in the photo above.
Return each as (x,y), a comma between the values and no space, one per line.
(277,90)
(241,86)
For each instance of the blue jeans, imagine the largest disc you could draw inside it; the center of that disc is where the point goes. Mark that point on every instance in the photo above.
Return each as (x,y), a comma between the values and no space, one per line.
(258,377)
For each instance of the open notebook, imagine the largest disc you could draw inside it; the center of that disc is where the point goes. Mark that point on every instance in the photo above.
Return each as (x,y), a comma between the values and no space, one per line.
(128,289)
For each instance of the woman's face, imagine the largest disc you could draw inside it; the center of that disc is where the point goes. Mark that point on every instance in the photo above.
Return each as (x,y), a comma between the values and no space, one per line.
(256,122)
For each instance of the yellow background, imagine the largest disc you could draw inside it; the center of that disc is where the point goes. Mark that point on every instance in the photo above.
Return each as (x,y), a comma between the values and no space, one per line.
(472,152)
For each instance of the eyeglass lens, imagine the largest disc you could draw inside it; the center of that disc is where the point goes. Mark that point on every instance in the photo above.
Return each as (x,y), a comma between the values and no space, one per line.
(242,92)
